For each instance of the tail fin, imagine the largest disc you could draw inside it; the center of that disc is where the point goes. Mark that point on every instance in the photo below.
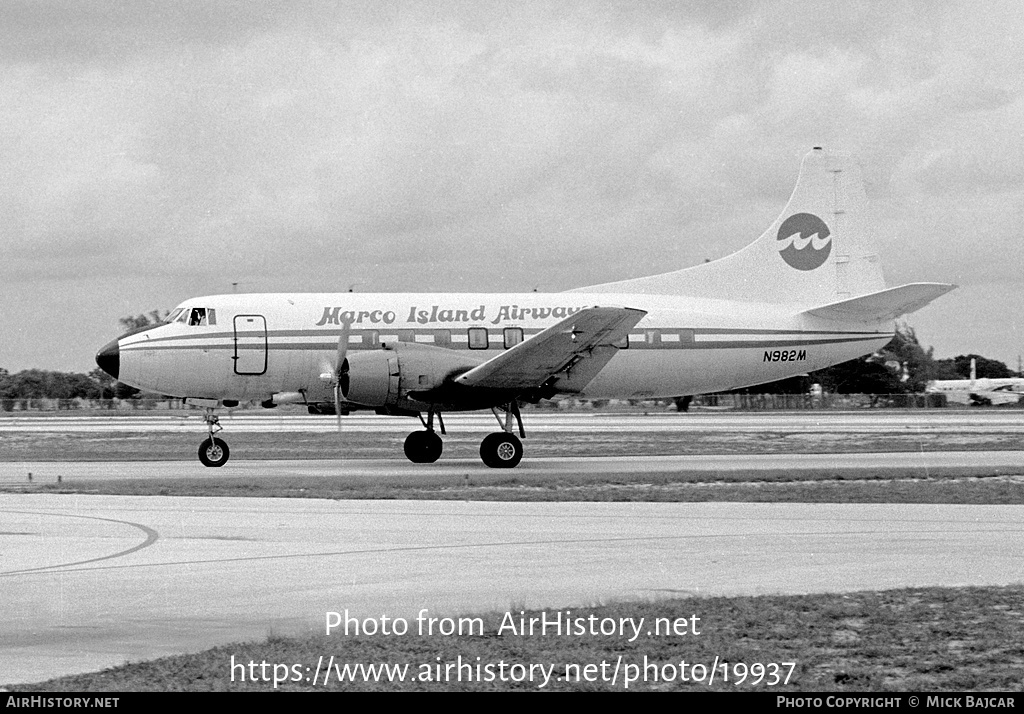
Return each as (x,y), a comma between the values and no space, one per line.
(817,252)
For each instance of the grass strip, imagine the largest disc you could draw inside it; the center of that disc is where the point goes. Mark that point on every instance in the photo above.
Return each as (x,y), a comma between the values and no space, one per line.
(918,640)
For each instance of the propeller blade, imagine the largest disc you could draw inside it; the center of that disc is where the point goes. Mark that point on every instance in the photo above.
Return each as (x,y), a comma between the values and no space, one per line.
(336,372)
(337,403)
(346,327)
(339,366)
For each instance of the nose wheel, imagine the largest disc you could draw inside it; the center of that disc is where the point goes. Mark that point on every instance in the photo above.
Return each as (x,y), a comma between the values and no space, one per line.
(213,452)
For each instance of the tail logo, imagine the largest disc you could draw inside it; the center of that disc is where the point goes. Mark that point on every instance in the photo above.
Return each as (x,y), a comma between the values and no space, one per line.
(805,242)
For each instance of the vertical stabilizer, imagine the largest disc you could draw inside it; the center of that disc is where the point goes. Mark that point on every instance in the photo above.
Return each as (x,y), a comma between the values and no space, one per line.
(818,251)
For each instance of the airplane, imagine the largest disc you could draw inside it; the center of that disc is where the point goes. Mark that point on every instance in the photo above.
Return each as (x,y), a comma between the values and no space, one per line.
(976,392)
(807,294)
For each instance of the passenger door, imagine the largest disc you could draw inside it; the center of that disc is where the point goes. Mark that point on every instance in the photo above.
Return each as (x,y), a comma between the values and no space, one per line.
(250,344)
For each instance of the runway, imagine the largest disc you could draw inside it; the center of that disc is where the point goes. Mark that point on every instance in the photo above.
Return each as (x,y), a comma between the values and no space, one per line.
(867,421)
(909,464)
(92,581)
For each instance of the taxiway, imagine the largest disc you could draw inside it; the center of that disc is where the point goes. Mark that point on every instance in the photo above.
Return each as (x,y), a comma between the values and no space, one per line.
(92,581)
(907,464)
(921,421)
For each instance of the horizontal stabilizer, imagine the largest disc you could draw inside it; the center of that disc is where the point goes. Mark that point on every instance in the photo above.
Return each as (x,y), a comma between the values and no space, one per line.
(882,305)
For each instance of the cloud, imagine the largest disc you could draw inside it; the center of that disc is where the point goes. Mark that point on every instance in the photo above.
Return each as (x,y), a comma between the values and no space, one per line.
(471,146)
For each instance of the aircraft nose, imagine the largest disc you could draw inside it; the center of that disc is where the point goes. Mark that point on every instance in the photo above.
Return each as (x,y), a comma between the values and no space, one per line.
(109,358)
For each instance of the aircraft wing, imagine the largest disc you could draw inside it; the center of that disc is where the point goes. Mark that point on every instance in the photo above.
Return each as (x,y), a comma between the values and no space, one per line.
(565,356)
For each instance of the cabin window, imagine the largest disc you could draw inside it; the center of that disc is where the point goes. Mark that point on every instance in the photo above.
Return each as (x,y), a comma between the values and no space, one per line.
(442,337)
(513,336)
(478,338)
(622,344)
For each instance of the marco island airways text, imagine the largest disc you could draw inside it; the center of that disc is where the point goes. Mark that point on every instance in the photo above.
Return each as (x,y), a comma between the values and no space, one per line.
(438,313)
(547,624)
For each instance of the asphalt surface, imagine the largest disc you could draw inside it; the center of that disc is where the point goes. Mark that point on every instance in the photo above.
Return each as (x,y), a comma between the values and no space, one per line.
(868,421)
(91,581)
(908,464)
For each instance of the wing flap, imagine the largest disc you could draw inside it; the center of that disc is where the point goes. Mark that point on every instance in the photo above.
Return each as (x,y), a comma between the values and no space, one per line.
(885,304)
(573,351)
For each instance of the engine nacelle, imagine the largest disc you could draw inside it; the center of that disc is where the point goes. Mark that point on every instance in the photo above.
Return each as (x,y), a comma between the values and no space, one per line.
(385,377)
(367,378)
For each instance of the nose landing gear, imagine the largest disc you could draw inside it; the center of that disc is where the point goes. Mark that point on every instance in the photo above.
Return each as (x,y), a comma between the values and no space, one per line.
(213,452)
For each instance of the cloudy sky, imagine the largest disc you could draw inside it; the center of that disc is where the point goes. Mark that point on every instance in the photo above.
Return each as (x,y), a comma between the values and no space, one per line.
(153,151)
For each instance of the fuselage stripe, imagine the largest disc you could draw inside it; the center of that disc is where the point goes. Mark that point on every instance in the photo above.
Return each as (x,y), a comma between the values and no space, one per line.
(696,332)
(152,346)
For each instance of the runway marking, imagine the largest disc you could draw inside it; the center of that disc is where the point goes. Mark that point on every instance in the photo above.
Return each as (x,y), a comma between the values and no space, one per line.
(608,516)
(463,546)
(151,537)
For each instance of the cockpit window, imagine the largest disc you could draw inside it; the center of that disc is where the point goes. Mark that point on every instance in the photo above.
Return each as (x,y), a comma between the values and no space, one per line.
(198,316)
(175,315)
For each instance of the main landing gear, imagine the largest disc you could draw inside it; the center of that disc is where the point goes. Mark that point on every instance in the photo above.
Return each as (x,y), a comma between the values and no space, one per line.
(500,450)
(212,451)
(424,447)
(503,449)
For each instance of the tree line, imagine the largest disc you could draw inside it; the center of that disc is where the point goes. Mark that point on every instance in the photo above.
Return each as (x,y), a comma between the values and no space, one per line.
(30,384)
(903,366)
(66,387)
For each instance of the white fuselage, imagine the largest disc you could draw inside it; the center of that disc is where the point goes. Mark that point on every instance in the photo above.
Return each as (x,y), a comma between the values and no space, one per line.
(266,344)
(1008,390)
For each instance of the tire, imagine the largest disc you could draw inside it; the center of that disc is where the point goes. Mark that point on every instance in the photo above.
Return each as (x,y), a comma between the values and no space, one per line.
(213,454)
(501,450)
(423,447)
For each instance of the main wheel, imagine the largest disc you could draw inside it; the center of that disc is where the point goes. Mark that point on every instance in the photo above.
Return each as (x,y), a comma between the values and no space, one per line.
(213,452)
(501,450)
(423,447)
